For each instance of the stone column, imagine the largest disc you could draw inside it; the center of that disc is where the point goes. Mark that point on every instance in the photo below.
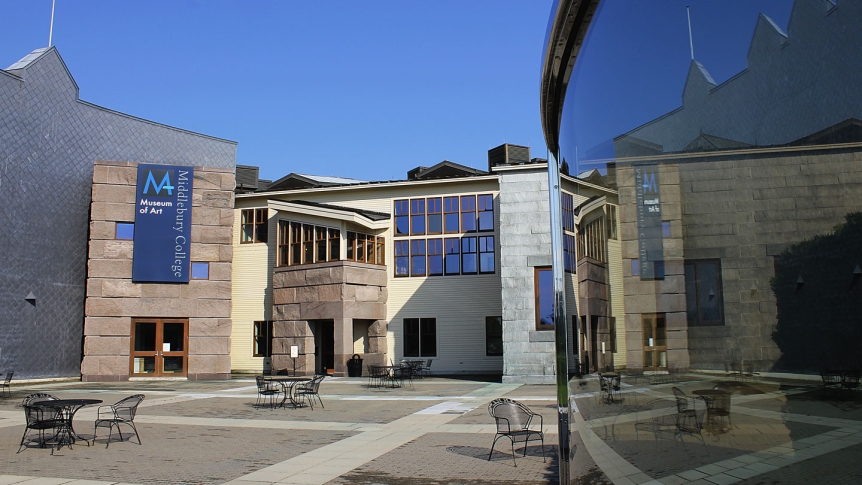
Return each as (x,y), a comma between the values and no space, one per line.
(343,344)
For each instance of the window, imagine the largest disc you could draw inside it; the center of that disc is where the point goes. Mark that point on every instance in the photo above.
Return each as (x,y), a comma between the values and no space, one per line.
(351,246)
(468,255)
(435,215)
(704,302)
(402,217)
(307,243)
(417,257)
(592,239)
(417,216)
(334,244)
(435,257)
(283,243)
(654,340)
(493,336)
(569,253)
(360,247)
(254,225)
(402,257)
(544,288)
(295,243)
(420,337)
(124,230)
(453,256)
(262,340)
(450,214)
(486,254)
(568,205)
(200,271)
(369,250)
(486,212)
(381,250)
(468,213)
(665,229)
(321,243)
(612,221)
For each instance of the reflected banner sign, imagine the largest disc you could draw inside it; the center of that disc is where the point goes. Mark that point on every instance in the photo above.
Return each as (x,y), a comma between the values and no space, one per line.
(163,220)
(648,198)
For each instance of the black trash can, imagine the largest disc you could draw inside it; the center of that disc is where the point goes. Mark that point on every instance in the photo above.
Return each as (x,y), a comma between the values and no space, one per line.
(354,366)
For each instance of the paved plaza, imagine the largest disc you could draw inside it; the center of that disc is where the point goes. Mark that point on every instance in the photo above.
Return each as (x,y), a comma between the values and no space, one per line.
(439,432)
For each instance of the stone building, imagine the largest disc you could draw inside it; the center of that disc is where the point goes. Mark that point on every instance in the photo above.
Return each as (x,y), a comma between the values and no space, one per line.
(49,141)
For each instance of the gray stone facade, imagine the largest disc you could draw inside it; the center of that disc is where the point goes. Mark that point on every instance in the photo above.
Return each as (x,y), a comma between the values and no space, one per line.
(339,292)
(49,140)
(525,243)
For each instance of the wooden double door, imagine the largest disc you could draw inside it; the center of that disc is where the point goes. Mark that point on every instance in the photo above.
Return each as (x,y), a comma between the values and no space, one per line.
(159,347)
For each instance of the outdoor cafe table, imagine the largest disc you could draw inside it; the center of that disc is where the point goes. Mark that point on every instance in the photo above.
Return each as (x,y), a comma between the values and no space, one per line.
(66,409)
(610,378)
(287,384)
(709,396)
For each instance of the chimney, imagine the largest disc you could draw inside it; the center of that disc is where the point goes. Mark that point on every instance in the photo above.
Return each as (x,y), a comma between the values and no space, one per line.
(507,154)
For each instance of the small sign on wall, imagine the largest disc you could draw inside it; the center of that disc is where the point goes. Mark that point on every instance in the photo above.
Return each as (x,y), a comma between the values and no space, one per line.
(294,351)
(166,347)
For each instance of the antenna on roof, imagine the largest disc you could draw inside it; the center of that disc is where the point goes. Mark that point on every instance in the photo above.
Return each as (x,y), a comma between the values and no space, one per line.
(51,31)
(690,41)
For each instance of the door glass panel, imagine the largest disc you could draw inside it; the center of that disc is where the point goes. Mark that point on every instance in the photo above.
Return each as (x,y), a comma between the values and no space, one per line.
(144,365)
(145,336)
(172,365)
(173,337)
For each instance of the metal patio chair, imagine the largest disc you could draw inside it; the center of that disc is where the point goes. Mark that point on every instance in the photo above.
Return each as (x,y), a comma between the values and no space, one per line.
(515,421)
(121,412)
(39,418)
(266,390)
(5,387)
(687,419)
(309,390)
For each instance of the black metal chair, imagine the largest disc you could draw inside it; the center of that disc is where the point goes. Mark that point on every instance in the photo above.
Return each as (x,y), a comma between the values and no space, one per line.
(687,419)
(515,421)
(39,418)
(121,412)
(5,386)
(267,389)
(309,390)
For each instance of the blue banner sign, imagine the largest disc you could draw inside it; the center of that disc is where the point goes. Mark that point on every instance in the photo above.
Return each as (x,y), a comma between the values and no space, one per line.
(650,246)
(163,224)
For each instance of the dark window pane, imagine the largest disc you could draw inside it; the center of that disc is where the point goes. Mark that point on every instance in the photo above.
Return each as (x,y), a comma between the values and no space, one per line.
(125,230)
(401,265)
(411,337)
(691,312)
(707,279)
(428,337)
(493,336)
(401,207)
(417,224)
(468,221)
(435,265)
(435,224)
(145,336)
(200,271)
(453,258)
(486,221)
(486,263)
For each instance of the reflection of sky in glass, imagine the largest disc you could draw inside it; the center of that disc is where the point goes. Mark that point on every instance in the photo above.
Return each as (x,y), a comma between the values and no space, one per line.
(546,297)
(636,58)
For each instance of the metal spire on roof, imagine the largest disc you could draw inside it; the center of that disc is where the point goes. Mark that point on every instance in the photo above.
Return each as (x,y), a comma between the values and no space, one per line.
(51,30)
(690,41)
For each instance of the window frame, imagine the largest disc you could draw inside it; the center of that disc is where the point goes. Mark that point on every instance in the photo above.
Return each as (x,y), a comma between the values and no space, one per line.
(537,296)
(259,225)
(700,321)
(266,325)
(495,321)
(420,336)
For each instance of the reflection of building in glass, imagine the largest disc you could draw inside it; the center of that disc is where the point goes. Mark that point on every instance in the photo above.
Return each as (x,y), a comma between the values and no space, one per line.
(451,264)
(750,174)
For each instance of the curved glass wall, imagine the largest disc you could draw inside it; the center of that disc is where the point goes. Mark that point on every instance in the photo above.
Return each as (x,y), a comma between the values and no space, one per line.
(728,322)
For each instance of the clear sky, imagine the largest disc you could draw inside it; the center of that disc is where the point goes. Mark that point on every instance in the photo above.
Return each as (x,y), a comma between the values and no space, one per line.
(365,90)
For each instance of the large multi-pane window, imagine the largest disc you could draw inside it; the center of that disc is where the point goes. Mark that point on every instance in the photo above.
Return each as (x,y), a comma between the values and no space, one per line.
(254,224)
(366,248)
(420,337)
(593,240)
(473,254)
(300,243)
(568,205)
(569,261)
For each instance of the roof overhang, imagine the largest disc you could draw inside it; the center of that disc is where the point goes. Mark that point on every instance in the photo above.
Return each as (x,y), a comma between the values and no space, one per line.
(329,213)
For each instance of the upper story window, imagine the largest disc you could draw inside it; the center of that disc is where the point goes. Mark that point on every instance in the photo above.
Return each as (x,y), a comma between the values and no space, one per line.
(611,211)
(568,205)
(544,298)
(300,243)
(366,248)
(592,240)
(254,224)
(419,256)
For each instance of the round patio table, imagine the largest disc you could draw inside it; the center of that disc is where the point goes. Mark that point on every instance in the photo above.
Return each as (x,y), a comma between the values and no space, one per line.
(287,384)
(66,409)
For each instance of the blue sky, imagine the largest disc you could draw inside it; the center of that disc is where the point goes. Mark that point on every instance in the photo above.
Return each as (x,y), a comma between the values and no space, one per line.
(371,89)
(365,90)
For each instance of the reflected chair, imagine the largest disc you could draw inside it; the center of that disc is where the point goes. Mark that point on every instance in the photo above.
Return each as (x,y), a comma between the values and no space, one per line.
(5,386)
(718,418)
(515,421)
(309,390)
(39,418)
(850,380)
(121,412)
(266,390)
(687,419)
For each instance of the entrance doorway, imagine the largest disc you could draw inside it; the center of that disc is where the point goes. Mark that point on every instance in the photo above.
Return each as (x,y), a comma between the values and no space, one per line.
(655,341)
(159,347)
(324,346)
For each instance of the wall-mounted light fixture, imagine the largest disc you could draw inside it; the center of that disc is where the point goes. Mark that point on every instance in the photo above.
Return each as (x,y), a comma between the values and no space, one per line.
(799,283)
(857,274)
(31,298)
